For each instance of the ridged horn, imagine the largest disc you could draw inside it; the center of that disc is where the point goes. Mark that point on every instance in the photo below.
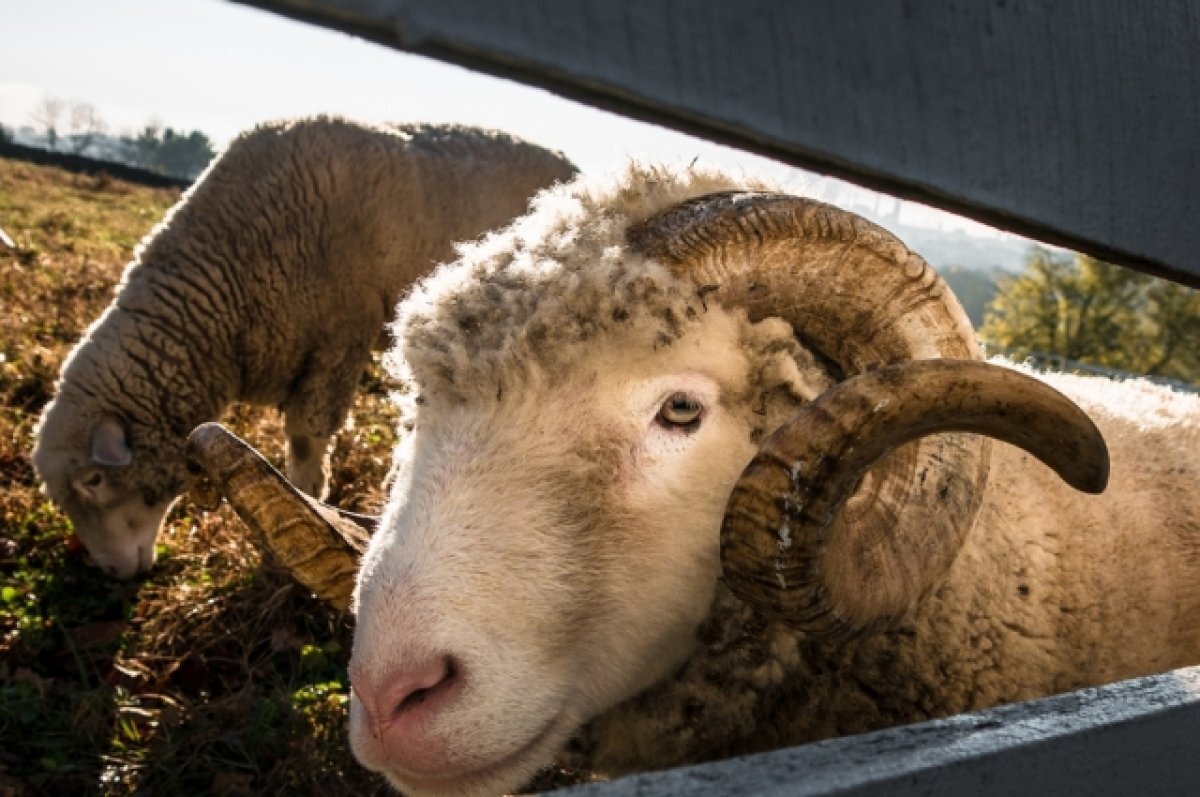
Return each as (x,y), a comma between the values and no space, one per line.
(782,551)
(857,296)
(318,544)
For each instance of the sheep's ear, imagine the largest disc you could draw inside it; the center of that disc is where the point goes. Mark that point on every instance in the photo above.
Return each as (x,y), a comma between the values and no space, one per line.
(109,446)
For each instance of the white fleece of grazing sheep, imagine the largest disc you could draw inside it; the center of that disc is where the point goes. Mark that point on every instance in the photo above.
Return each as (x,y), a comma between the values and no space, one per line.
(269,283)
(561,547)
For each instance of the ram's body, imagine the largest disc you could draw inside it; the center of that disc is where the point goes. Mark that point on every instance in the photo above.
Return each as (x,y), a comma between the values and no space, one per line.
(618,531)
(268,283)
(1053,591)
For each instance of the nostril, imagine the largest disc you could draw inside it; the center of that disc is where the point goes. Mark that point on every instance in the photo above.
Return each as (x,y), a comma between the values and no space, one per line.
(405,692)
(406,718)
(411,689)
(421,693)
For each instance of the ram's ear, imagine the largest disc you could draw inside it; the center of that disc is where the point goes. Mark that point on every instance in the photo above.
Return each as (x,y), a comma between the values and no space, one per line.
(109,446)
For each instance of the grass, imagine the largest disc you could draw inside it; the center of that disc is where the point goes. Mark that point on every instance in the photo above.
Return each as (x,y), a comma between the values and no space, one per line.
(216,674)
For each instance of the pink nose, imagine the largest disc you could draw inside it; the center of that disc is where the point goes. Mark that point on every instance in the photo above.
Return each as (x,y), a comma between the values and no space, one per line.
(400,705)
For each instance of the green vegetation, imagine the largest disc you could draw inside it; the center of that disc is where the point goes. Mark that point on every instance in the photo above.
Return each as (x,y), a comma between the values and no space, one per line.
(167,151)
(216,674)
(1085,310)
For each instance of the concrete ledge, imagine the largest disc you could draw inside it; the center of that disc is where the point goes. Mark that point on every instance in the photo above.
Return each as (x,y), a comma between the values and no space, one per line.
(1133,737)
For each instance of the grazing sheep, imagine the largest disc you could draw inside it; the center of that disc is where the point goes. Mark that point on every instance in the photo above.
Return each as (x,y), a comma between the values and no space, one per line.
(687,478)
(269,283)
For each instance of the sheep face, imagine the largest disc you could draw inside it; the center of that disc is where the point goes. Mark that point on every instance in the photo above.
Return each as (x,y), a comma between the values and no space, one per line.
(88,470)
(548,551)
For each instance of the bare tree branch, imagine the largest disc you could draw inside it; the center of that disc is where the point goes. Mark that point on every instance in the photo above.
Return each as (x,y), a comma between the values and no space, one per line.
(47,117)
(85,126)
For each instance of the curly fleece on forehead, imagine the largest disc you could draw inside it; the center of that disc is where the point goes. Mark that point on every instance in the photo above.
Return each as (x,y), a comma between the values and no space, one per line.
(532,293)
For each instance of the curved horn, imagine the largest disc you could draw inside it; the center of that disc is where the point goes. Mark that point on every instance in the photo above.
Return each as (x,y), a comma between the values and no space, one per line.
(856,295)
(783,552)
(318,544)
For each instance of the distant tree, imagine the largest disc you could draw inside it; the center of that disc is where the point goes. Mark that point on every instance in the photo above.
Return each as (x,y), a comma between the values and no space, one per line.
(84,126)
(141,149)
(47,118)
(1084,309)
(166,151)
(185,154)
(1176,313)
(6,135)
(973,287)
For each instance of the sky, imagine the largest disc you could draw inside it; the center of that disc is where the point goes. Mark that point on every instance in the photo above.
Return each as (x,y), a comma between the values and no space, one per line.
(221,67)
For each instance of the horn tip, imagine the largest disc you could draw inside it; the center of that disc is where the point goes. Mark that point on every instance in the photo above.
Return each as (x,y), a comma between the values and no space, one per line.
(1088,471)
(1095,480)
(207,430)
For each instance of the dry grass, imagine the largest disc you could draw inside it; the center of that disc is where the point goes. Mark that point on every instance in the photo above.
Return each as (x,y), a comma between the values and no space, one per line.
(216,674)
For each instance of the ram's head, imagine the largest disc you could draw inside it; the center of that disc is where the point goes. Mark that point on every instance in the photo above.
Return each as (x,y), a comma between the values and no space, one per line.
(624,399)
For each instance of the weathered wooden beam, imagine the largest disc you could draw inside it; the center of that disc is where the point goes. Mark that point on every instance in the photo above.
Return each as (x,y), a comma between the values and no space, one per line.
(1131,737)
(1075,122)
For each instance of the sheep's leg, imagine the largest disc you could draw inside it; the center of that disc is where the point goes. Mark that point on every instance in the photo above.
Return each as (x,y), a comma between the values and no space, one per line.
(315,410)
(308,462)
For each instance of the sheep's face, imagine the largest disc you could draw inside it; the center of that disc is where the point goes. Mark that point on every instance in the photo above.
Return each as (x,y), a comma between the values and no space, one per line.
(89,472)
(548,551)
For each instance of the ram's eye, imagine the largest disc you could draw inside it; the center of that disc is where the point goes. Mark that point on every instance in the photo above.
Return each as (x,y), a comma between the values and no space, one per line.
(680,411)
(94,480)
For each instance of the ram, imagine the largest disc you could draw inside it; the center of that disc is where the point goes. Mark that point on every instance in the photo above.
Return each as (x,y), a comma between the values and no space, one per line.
(270,282)
(697,469)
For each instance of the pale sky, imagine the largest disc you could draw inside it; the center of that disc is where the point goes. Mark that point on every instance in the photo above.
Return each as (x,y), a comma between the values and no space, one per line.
(221,67)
